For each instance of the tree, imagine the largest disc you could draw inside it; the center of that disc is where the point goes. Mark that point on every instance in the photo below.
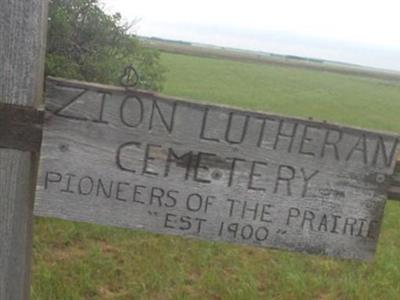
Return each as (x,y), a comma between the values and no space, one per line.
(85,43)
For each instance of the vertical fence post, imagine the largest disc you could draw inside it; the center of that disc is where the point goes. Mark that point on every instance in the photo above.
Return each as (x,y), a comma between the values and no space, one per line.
(23,26)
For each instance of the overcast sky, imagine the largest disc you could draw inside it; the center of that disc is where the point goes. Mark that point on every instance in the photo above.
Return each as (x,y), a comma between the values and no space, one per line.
(363,32)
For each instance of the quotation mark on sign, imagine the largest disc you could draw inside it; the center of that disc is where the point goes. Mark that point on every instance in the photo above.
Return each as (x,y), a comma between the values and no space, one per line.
(280,231)
(153,213)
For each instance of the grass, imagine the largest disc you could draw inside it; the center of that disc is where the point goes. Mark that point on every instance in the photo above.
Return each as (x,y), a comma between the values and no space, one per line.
(351,100)
(81,261)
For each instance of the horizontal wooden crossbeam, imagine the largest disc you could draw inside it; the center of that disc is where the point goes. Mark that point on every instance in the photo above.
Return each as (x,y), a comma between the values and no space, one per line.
(129,158)
(20,127)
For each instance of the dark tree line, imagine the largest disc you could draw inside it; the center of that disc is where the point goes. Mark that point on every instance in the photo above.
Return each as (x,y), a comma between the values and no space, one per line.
(85,43)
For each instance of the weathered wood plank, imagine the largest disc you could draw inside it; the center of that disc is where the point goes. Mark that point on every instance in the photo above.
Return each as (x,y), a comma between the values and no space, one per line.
(22,50)
(20,128)
(394,189)
(140,160)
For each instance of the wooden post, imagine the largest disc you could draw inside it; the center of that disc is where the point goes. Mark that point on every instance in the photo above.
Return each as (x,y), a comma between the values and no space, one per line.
(22,50)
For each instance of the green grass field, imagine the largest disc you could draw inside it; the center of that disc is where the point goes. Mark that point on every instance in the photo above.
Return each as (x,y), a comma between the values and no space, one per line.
(81,261)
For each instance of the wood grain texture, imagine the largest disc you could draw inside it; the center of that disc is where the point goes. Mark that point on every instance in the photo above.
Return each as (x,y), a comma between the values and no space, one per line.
(143,161)
(394,189)
(16,221)
(22,49)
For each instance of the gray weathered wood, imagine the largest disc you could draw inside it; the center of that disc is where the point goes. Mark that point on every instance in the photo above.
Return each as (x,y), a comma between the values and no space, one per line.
(140,160)
(22,49)
(20,127)
(394,189)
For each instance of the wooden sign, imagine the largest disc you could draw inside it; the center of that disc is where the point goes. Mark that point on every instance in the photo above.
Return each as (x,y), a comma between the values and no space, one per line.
(139,160)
